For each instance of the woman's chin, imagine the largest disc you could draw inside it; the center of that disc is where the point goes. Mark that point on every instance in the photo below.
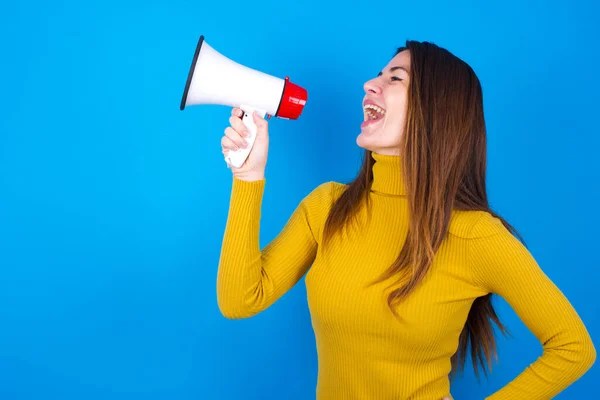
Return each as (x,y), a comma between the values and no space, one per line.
(365,140)
(369,140)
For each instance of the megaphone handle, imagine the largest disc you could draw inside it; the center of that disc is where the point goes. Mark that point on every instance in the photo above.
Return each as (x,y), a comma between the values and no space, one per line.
(237,158)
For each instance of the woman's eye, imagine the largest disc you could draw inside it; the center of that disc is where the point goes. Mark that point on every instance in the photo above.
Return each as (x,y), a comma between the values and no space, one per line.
(395,78)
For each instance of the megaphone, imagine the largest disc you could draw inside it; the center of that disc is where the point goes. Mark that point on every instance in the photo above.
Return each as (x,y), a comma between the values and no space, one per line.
(215,79)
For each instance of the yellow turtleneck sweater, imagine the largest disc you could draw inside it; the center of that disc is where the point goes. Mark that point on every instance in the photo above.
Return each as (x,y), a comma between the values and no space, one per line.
(363,351)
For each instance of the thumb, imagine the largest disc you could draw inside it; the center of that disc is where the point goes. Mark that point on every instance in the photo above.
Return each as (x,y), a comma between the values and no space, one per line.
(262,130)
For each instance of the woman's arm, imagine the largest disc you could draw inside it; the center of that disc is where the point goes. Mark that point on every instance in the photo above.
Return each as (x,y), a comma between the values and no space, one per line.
(250,280)
(503,265)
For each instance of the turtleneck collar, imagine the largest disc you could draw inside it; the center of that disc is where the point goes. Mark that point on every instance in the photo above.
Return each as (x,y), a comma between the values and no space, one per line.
(387,175)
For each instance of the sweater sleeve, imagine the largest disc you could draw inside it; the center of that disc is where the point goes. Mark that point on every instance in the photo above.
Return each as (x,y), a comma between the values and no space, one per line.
(503,265)
(249,279)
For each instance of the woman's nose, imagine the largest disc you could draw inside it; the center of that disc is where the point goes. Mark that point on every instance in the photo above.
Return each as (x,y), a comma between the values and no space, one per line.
(372,87)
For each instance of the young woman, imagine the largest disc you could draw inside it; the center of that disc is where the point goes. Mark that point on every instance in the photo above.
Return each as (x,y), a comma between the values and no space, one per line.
(400,263)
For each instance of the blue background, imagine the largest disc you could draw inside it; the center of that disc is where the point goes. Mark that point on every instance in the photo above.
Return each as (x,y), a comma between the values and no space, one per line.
(113,202)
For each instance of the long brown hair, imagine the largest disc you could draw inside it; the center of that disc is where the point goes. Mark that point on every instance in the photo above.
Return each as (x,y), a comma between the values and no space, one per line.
(443,152)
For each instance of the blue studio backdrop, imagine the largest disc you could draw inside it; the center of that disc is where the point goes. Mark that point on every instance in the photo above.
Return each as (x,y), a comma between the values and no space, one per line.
(113,202)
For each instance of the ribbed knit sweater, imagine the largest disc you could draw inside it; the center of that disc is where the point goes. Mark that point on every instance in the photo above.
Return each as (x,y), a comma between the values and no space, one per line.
(364,352)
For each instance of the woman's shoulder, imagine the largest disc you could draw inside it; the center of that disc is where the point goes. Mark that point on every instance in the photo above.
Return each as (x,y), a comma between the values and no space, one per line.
(317,204)
(326,192)
(475,224)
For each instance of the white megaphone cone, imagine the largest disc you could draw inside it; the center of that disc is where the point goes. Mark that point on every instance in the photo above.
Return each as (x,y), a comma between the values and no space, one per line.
(215,79)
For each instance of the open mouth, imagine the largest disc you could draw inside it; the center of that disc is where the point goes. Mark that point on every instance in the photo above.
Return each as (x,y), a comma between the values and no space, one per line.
(373,113)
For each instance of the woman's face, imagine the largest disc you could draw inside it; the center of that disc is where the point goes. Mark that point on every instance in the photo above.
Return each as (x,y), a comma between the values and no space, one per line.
(384,107)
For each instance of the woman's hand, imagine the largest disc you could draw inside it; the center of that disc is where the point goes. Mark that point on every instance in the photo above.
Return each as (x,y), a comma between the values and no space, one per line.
(255,164)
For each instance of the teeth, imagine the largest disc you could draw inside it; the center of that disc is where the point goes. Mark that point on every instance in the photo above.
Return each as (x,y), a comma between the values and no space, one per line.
(374,107)
(373,111)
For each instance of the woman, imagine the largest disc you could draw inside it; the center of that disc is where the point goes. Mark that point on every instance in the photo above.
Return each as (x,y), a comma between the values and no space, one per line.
(405,257)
